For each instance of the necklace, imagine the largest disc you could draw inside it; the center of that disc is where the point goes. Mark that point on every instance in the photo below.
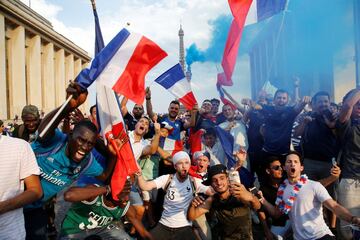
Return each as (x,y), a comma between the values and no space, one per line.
(286,205)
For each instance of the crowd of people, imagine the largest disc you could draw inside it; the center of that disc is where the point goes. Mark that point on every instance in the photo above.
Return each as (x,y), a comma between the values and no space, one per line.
(266,169)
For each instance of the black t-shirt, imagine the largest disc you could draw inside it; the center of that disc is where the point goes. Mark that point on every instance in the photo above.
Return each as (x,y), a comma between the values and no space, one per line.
(234,218)
(318,142)
(203,123)
(278,126)
(349,133)
(270,194)
(255,138)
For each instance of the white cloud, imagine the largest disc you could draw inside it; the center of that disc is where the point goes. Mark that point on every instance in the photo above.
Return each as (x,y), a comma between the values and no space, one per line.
(160,22)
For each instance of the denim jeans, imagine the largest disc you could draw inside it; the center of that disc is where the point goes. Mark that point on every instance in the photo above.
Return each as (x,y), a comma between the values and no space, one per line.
(349,197)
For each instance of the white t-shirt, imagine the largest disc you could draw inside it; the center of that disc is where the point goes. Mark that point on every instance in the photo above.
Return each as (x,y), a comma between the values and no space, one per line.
(17,161)
(307,213)
(137,146)
(177,200)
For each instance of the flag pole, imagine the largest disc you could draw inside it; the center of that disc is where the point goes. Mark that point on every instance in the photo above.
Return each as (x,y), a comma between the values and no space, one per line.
(43,132)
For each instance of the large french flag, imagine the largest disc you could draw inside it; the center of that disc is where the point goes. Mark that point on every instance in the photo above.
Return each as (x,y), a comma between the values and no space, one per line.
(123,64)
(175,82)
(245,12)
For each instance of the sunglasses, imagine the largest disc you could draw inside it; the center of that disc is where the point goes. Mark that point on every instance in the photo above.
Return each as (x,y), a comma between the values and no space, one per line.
(276,168)
(138,108)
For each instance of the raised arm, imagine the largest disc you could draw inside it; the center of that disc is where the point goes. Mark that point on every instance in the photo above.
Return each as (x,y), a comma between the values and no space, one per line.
(123,107)
(149,108)
(145,185)
(347,107)
(300,106)
(79,96)
(152,149)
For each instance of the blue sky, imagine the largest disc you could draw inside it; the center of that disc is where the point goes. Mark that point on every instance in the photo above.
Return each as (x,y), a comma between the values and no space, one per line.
(158,20)
(205,23)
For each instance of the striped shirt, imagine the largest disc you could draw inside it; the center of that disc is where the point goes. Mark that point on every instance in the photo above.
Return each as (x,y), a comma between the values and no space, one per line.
(17,162)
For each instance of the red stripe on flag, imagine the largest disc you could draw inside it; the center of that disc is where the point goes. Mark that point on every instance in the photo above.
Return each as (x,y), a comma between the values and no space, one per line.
(240,9)
(188,100)
(131,83)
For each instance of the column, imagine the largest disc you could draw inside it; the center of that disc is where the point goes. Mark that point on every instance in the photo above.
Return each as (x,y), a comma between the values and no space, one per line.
(33,71)
(3,92)
(69,68)
(16,68)
(48,77)
(60,77)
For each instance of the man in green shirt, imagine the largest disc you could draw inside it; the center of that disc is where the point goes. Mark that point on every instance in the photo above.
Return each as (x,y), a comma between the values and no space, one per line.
(95,213)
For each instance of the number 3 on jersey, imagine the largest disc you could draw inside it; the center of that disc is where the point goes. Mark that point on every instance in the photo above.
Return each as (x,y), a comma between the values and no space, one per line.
(171,194)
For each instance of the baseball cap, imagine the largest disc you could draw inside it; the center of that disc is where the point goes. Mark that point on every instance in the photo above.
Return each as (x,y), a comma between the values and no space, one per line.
(30,109)
(212,171)
(200,154)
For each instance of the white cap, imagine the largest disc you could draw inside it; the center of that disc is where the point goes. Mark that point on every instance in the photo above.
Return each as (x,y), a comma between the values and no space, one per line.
(179,156)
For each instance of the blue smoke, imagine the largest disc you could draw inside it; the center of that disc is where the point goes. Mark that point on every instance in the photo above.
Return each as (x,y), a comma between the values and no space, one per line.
(220,27)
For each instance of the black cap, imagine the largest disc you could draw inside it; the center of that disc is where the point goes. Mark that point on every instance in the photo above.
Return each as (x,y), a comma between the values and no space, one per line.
(213,170)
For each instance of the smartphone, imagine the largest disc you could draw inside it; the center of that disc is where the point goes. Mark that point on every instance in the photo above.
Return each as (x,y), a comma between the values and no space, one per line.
(334,163)
(255,191)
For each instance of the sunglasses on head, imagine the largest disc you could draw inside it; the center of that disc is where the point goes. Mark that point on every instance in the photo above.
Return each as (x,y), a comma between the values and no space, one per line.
(278,167)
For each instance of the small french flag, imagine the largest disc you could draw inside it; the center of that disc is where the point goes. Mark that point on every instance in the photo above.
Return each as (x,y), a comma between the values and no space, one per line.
(175,82)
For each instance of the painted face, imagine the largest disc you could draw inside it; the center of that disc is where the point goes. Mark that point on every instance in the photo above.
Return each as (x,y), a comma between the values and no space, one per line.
(220,182)
(203,164)
(173,110)
(138,111)
(142,126)
(81,142)
(207,107)
(293,166)
(209,140)
(182,168)
(31,122)
(228,112)
(321,104)
(275,170)
(281,99)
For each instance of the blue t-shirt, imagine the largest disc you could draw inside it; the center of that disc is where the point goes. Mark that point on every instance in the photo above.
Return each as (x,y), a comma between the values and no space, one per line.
(57,170)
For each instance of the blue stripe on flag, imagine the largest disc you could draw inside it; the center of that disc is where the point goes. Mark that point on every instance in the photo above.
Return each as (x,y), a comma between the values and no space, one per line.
(268,8)
(171,76)
(88,75)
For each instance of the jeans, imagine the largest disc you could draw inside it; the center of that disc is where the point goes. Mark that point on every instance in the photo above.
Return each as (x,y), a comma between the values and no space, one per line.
(166,233)
(114,231)
(349,197)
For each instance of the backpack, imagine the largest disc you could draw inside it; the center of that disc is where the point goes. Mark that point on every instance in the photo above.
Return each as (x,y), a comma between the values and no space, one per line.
(192,181)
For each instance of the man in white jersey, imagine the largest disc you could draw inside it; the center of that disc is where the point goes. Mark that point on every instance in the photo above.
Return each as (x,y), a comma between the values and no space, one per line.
(302,200)
(180,189)
(18,168)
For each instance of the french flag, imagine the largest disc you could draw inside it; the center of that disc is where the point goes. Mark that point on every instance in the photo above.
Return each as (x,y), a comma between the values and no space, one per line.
(175,82)
(123,64)
(245,12)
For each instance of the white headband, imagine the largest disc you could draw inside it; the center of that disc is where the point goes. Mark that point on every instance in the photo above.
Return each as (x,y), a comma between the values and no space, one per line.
(179,156)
